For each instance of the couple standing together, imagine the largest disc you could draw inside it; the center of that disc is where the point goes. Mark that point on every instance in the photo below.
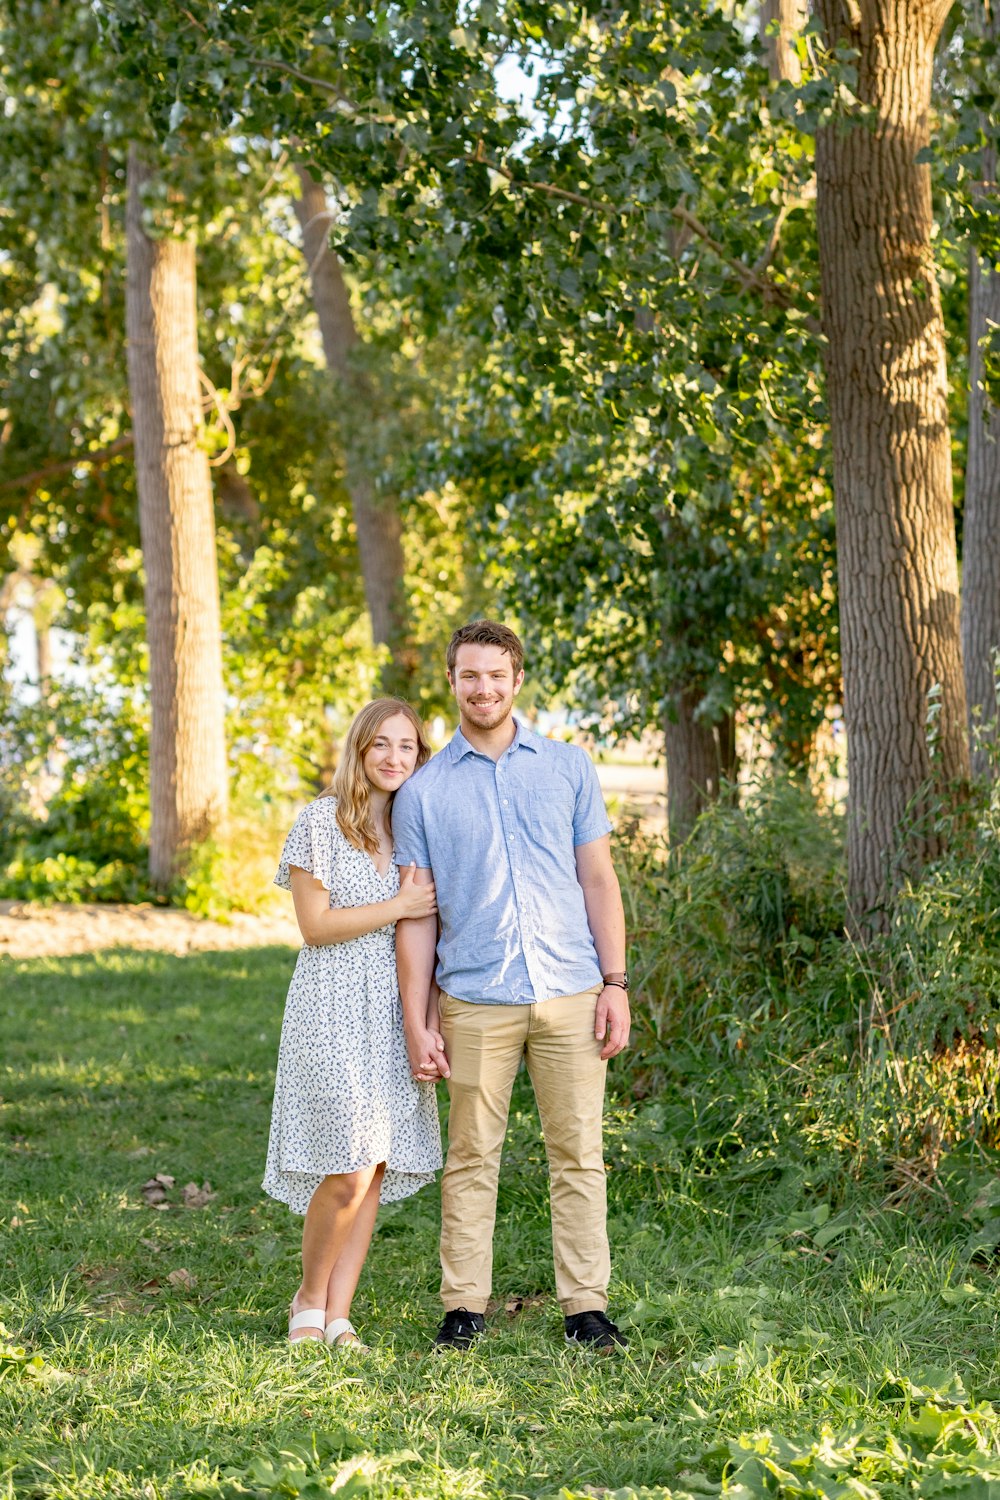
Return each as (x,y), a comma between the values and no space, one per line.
(459,914)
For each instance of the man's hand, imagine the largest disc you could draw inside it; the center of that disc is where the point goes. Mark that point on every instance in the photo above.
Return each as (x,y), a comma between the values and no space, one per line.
(613,1020)
(428,1059)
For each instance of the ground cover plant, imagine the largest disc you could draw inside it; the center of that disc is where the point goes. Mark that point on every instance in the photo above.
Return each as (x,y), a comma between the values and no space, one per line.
(807,1316)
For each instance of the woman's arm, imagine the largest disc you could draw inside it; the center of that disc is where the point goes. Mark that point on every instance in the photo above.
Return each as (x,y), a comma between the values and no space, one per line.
(415,945)
(322,924)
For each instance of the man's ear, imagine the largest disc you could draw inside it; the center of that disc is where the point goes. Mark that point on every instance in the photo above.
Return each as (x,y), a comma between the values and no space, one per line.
(518,680)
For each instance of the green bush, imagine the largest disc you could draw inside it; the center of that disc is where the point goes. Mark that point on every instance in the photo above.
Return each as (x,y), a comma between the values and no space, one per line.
(236,872)
(74,786)
(87,840)
(787,1042)
(726,928)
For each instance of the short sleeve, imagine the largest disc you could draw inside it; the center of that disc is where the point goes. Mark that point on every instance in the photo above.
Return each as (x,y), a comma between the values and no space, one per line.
(590,816)
(311,844)
(408,833)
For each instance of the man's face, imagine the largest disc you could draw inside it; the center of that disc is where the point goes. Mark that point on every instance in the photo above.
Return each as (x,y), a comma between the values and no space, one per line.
(484,685)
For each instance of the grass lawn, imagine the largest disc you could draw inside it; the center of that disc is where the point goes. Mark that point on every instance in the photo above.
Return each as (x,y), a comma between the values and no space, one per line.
(784,1342)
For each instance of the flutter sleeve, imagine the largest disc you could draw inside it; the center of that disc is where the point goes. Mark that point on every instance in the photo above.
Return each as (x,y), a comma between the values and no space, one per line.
(311,844)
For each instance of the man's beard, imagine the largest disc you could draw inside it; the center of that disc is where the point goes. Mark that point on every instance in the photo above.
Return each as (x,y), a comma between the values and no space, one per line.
(495,719)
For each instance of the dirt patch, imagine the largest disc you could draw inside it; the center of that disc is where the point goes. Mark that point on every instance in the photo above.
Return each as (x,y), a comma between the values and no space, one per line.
(31,931)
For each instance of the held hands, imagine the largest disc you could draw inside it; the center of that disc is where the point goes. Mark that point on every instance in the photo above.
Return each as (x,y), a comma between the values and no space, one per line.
(613,1020)
(428,1059)
(415,900)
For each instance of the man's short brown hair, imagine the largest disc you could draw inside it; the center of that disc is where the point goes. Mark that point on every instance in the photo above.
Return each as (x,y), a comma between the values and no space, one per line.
(486,633)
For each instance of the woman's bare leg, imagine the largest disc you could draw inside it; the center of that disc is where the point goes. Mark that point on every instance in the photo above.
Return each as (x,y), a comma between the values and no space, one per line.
(347,1270)
(330,1218)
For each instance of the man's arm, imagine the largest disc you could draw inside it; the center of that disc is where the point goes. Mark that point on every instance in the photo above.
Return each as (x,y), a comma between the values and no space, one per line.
(416,943)
(606,917)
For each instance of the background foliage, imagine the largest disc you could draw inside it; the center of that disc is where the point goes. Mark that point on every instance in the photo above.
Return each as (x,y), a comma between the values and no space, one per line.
(582,255)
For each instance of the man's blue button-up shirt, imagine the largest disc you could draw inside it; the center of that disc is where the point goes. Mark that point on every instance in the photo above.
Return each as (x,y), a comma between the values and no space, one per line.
(500,839)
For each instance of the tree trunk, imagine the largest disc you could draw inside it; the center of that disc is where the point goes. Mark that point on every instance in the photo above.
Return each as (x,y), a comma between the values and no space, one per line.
(887,397)
(779,23)
(188,771)
(981,534)
(376,519)
(701,758)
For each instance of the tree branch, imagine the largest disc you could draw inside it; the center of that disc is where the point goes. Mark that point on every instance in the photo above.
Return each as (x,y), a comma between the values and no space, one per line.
(543,187)
(283,67)
(67,465)
(324,87)
(750,277)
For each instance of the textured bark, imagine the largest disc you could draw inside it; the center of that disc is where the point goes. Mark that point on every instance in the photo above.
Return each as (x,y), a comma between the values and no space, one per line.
(776,39)
(701,759)
(376,519)
(887,396)
(981,534)
(188,772)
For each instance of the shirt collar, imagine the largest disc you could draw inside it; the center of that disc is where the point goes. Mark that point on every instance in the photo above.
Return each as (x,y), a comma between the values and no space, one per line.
(524,739)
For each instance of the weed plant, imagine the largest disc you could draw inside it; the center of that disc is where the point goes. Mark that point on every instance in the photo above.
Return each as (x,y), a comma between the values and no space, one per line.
(804,1320)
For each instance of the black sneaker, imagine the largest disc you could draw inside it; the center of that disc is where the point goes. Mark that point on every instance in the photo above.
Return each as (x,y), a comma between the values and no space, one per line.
(594,1330)
(460,1329)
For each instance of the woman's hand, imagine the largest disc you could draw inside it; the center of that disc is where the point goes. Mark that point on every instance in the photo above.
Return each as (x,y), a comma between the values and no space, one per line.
(414,900)
(428,1058)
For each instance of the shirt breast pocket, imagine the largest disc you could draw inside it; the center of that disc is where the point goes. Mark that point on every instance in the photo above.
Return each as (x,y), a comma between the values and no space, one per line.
(551,806)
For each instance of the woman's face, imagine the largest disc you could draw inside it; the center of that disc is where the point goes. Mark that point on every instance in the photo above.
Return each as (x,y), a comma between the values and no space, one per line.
(392,755)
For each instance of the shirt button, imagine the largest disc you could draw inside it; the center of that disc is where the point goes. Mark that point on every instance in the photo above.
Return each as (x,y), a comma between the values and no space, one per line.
(506,802)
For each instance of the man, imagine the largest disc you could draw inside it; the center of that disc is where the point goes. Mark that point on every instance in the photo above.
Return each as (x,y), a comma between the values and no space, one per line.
(513,830)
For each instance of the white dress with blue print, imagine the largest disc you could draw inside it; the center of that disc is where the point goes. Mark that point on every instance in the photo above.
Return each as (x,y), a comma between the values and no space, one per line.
(344,1097)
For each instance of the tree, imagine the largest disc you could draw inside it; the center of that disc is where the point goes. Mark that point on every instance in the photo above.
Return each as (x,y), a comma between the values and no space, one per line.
(295,638)
(189,775)
(981,528)
(887,396)
(779,24)
(634,255)
(376,516)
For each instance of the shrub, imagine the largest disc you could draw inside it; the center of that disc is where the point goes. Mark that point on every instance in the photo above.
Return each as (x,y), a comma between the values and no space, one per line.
(786,1040)
(73,785)
(74,794)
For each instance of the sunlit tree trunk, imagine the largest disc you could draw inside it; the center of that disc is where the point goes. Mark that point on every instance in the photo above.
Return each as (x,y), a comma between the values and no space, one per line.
(779,22)
(887,397)
(377,520)
(188,772)
(981,531)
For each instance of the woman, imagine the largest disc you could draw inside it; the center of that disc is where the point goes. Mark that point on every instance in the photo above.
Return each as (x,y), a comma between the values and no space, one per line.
(350,1126)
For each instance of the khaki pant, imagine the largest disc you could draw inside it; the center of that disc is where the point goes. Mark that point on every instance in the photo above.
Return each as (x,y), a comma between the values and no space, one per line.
(485,1044)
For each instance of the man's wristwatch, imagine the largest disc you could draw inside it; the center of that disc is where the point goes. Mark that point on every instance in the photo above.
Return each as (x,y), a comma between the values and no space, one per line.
(619,980)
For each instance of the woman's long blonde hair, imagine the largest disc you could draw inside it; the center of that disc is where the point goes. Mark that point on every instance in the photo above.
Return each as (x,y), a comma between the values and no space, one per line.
(350,784)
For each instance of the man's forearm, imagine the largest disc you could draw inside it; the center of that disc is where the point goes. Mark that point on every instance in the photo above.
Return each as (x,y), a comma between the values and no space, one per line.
(606,919)
(416,942)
